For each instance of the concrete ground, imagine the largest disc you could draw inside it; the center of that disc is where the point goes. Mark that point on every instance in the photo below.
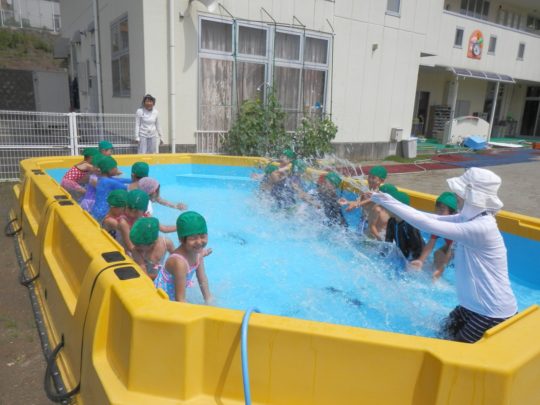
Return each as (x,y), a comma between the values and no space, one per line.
(22,365)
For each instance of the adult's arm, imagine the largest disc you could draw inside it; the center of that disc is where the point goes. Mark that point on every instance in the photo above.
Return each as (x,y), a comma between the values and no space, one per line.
(158,127)
(440,225)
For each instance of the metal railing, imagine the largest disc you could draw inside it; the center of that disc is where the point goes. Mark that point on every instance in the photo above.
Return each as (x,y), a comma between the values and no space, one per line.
(210,141)
(26,134)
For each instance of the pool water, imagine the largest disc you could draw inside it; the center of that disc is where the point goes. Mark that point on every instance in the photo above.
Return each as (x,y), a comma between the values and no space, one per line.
(288,263)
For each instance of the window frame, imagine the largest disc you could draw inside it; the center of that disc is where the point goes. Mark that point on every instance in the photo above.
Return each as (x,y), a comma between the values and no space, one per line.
(490,51)
(116,56)
(460,45)
(393,12)
(269,61)
(210,52)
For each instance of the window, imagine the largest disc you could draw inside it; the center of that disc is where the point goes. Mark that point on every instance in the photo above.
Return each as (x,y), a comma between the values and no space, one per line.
(458,40)
(240,60)
(475,8)
(521,51)
(393,6)
(120,57)
(492,44)
(509,18)
(533,23)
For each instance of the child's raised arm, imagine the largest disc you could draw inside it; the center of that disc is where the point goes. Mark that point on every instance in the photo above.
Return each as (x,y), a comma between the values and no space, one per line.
(426,251)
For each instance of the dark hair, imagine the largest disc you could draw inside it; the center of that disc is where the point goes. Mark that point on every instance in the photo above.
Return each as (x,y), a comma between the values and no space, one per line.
(148,97)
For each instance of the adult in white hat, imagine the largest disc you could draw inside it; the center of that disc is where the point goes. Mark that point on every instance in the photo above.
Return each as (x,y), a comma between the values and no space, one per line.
(483,288)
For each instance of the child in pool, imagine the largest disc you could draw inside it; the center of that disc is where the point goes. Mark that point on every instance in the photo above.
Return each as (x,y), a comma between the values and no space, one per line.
(186,260)
(139,170)
(117,200)
(105,148)
(326,198)
(376,177)
(446,204)
(88,200)
(77,176)
(105,184)
(378,216)
(149,248)
(407,238)
(136,207)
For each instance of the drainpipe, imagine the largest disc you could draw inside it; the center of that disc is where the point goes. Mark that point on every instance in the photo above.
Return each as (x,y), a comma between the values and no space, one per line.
(493,107)
(172,79)
(98,55)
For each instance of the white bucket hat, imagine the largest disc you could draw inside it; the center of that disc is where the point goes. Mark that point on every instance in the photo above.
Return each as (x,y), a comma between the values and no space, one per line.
(478,187)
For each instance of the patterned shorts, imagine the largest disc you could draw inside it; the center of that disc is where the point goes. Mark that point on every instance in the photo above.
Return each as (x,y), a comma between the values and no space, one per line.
(464,325)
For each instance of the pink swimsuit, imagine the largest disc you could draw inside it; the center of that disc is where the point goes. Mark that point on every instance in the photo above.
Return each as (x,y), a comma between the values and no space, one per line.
(165,280)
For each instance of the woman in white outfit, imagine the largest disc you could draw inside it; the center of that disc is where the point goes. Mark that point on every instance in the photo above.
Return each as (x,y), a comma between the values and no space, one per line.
(147,128)
(483,287)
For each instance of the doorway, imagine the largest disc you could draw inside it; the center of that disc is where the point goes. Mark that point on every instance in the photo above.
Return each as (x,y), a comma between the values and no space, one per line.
(421,105)
(530,123)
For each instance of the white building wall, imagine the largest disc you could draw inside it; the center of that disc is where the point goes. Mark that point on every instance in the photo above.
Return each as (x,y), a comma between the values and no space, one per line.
(109,12)
(505,58)
(155,60)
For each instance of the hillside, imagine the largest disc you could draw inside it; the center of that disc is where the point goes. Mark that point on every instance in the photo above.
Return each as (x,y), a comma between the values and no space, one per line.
(28,50)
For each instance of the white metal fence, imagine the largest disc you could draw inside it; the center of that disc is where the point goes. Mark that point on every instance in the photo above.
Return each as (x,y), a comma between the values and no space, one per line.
(210,141)
(25,134)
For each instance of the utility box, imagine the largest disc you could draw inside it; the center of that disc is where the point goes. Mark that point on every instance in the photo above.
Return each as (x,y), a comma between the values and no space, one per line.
(51,91)
(409,147)
(396,134)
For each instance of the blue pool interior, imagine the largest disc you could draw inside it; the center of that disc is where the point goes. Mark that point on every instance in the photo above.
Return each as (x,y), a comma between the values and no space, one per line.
(289,263)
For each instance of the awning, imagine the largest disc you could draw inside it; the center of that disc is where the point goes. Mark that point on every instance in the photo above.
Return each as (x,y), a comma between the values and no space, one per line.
(482,75)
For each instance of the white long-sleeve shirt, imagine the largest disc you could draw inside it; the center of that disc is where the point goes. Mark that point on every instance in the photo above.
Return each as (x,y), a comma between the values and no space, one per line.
(480,259)
(147,124)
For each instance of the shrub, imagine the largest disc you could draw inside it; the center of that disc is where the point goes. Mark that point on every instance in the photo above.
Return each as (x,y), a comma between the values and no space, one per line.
(313,137)
(259,130)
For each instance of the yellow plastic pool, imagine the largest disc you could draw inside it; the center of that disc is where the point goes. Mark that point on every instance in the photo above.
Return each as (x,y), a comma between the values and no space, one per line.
(125,343)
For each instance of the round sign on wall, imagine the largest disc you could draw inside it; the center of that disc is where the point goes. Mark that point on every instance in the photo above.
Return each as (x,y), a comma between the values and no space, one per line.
(476,43)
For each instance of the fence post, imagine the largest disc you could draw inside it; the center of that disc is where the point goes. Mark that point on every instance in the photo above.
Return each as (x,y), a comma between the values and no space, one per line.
(72,117)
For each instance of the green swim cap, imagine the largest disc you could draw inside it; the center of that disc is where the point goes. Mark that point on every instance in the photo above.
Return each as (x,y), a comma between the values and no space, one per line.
(137,200)
(117,198)
(289,153)
(140,169)
(402,197)
(144,231)
(449,199)
(96,158)
(104,145)
(299,166)
(106,164)
(333,178)
(378,171)
(388,188)
(270,168)
(190,223)
(90,152)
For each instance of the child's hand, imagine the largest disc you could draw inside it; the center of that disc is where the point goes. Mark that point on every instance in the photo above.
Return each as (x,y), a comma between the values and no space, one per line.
(207,252)
(181,206)
(352,205)
(343,201)
(416,265)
